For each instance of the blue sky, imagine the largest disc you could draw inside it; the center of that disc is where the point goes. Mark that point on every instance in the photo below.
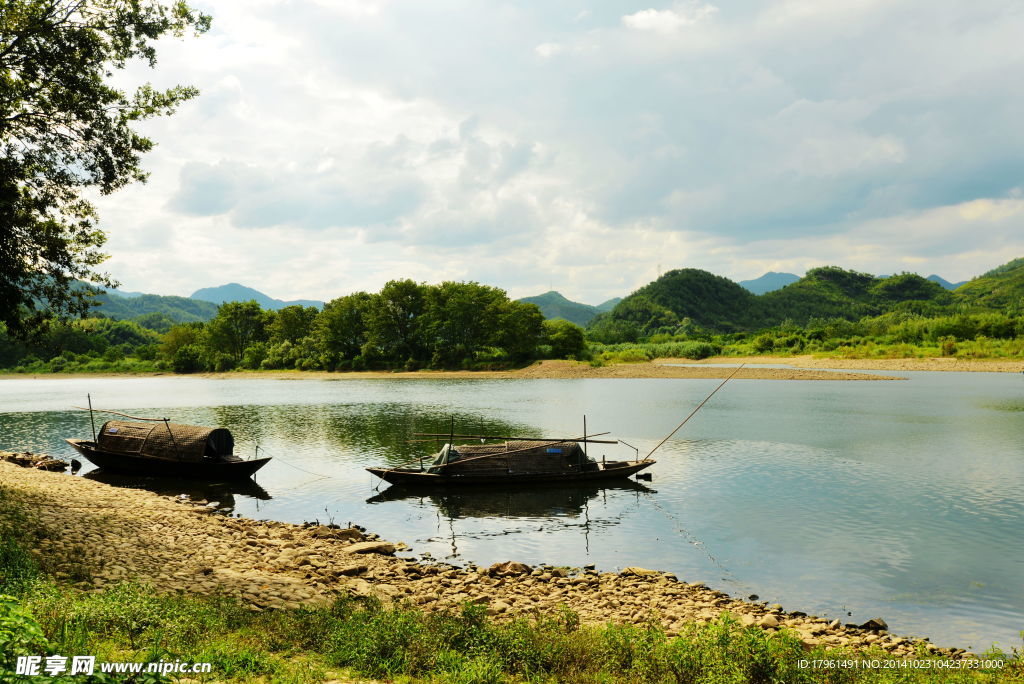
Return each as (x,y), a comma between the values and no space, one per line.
(338,144)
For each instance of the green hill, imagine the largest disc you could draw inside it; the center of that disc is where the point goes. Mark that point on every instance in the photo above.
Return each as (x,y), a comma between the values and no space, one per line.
(681,297)
(554,305)
(178,309)
(832,292)
(694,297)
(1000,288)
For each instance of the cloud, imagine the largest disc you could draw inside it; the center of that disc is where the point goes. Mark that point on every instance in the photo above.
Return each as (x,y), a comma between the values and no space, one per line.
(548,50)
(541,145)
(668,21)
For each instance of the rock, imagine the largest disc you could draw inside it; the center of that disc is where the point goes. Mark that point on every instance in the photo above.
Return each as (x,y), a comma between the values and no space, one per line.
(498,607)
(509,569)
(747,620)
(769,621)
(347,534)
(383,548)
(351,570)
(634,571)
(875,625)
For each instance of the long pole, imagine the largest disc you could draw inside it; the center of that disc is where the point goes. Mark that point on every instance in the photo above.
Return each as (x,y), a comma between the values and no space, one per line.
(694,411)
(91,419)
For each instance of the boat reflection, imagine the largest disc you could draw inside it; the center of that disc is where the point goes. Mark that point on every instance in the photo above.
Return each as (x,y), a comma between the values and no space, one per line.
(540,500)
(223,493)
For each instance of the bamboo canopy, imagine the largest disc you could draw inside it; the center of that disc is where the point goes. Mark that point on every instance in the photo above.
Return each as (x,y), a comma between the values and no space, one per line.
(171,441)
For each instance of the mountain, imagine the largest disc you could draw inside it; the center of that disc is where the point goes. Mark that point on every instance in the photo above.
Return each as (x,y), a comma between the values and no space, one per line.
(609,305)
(554,305)
(1000,288)
(126,295)
(945,283)
(233,292)
(691,297)
(178,309)
(832,292)
(769,281)
(707,300)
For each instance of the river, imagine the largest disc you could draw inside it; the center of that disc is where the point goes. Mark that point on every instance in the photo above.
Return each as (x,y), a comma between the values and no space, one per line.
(899,499)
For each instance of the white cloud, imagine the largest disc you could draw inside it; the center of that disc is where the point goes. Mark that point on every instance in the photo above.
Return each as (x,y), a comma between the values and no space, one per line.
(669,20)
(339,145)
(547,50)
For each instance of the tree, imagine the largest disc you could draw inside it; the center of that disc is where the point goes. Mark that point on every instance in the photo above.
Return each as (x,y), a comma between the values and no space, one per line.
(566,339)
(460,319)
(393,322)
(292,323)
(341,327)
(522,327)
(64,130)
(236,326)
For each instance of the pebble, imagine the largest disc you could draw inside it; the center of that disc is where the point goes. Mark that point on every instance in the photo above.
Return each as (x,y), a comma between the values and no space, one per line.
(96,530)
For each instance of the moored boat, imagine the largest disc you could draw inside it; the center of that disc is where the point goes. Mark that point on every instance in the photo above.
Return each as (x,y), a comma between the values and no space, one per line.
(512,462)
(165,448)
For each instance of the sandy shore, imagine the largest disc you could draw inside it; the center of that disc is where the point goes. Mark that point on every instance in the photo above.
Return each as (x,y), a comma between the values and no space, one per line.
(932,364)
(98,535)
(540,370)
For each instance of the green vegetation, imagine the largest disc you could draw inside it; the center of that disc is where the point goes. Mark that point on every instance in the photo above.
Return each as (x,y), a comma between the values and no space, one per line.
(553,305)
(830,312)
(66,131)
(131,623)
(685,313)
(406,326)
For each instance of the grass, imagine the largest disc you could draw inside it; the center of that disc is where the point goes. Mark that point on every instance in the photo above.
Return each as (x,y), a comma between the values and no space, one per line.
(132,623)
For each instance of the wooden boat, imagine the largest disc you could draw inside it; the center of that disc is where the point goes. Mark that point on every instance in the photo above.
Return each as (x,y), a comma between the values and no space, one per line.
(165,448)
(513,462)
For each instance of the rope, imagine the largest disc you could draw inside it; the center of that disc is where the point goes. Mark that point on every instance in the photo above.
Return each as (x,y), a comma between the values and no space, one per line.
(694,411)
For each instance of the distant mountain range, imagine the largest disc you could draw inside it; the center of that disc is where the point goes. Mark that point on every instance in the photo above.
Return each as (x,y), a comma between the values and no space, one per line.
(233,292)
(201,306)
(769,281)
(554,305)
(691,297)
(772,281)
(945,283)
(681,295)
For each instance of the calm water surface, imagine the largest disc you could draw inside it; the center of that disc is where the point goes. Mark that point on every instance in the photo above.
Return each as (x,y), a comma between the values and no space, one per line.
(901,499)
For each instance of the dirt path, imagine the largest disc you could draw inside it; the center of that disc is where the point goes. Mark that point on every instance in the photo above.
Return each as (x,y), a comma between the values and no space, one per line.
(100,535)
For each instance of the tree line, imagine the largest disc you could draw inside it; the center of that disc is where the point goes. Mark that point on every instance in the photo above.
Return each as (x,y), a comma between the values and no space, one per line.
(405,326)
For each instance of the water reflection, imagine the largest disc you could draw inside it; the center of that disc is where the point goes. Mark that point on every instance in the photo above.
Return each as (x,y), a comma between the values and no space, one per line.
(221,493)
(540,500)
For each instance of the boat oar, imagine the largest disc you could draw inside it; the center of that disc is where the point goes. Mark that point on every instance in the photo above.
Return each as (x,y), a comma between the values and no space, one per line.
(694,411)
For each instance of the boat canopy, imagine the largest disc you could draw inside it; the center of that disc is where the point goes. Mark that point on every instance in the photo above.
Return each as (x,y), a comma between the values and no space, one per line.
(511,456)
(165,440)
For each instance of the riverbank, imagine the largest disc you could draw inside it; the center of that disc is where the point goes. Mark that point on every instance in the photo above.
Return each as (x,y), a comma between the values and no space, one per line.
(541,370)
(93,534)
(807,361)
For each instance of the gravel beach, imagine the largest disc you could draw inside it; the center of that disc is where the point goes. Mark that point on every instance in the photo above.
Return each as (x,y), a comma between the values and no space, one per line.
(97,535)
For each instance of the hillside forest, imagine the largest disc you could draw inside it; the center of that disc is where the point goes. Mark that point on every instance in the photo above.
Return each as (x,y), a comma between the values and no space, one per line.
(686,313)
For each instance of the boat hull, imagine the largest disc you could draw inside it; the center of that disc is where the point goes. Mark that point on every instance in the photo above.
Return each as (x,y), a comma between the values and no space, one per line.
(212,471)
(422,478)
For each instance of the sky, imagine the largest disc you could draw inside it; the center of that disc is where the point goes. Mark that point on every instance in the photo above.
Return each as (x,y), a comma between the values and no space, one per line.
(574,146)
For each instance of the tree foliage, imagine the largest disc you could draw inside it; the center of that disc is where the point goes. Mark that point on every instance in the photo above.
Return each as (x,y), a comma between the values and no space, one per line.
(64,129)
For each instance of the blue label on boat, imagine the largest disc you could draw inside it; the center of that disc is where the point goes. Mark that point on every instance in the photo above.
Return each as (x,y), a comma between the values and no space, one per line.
(554,451)
(111,431)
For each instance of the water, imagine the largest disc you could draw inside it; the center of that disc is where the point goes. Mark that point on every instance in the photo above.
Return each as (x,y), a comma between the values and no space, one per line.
(900,499)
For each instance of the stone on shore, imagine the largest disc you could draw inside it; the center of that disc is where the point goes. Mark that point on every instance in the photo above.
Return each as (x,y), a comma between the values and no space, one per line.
(384,548)
(509,569)
(875,625)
